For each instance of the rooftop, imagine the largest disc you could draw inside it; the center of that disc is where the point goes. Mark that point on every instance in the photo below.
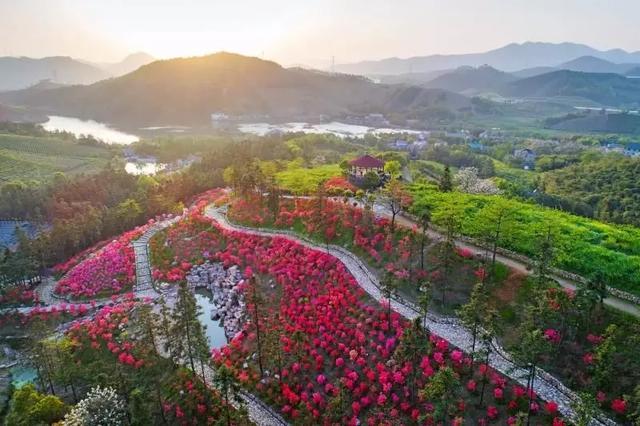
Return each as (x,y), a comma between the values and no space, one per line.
(367,161)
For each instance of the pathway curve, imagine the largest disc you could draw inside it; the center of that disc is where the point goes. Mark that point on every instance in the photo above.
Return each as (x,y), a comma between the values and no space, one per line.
(546,386)
(258,412)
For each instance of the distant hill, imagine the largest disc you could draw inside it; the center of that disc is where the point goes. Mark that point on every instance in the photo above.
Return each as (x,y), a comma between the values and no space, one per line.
(470,80)
(19,73)
(596,65)
(604,89)
(188,90)
(512,57)
(532,72)
(634,72)
(127,65)
(417,78)
(596,122)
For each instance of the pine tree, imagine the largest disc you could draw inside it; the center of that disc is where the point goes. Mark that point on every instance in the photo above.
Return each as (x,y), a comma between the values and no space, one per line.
(389,287)
(446,183)
(256,300)
(424,300)
(472,313)
(230,391)
(425,219)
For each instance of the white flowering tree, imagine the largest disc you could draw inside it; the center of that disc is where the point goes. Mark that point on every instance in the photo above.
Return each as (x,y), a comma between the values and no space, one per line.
(467,180)
(101,407)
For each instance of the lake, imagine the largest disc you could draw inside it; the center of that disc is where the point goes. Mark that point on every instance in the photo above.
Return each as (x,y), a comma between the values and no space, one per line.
(92,128)
(335,128)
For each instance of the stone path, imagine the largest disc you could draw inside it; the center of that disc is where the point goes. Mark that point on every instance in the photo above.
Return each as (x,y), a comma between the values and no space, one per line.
(144,281)
(546,386)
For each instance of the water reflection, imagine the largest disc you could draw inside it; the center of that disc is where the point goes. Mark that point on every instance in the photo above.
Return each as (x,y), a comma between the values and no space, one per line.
(92,128)
(214,330)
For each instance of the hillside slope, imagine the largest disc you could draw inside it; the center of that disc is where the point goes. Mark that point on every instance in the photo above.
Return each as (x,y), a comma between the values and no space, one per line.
(19,73)
(188,90)
(471,80)
(605,89)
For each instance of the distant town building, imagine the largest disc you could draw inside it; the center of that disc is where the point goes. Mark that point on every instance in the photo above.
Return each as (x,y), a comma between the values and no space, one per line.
(610,146)
(525,156)
(375,120)
(632,150)
(221,121)
(477,146)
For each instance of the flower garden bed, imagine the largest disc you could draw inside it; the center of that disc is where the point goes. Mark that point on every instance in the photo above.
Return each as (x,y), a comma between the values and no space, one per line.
(109,269)
(331,345)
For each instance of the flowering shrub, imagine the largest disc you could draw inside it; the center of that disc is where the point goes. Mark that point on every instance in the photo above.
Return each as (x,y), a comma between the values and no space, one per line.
(109,270)
(336,356)
(101,407)
(17,294)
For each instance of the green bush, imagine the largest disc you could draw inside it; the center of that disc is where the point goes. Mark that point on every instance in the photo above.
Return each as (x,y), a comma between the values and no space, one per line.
(583,246)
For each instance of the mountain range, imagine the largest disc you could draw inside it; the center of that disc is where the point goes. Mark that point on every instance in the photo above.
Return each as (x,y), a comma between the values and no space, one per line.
(188,90)
(510,58)
(21,72)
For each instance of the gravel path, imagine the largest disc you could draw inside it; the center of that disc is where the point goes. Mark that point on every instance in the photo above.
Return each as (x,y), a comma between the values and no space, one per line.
(546,386)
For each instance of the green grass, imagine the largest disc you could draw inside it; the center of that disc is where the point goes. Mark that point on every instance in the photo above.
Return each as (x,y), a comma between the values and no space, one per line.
(583,246)
(39,158)
(305,181)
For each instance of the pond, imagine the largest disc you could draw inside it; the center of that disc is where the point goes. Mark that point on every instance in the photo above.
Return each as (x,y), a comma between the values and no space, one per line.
(335,128)
(92,128)
(21,375)
(214,330)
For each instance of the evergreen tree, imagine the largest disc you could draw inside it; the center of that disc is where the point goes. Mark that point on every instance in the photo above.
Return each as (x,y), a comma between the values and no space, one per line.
(425,219)
(230,391)
(472,313)
(443,389)
(389,287)
(446,183)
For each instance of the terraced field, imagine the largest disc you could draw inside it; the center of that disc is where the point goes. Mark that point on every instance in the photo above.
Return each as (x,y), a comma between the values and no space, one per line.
(38,158)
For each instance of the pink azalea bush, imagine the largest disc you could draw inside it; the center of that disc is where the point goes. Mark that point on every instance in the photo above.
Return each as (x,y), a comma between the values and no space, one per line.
(108,270)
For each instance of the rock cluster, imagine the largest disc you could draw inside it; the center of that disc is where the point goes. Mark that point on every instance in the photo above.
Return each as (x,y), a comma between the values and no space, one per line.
(224,285)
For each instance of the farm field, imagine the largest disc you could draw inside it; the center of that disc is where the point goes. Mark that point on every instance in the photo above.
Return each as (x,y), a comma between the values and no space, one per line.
(39,158)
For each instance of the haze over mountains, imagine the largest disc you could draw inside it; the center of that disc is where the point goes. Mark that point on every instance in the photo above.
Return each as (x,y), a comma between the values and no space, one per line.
(510,58)
(188,90)
(21,72)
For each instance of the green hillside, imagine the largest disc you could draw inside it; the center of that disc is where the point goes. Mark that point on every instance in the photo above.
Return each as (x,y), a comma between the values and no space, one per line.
(38,158)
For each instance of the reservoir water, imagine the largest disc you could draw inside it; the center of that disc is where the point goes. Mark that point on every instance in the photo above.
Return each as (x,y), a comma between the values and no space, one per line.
(92,128)
(335,128)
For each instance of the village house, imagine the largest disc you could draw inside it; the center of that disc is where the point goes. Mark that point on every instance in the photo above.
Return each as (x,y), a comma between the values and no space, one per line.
(365,164)
(526,157)
(632,150)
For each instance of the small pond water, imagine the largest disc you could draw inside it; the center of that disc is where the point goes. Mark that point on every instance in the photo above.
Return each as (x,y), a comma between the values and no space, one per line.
(214,330)
(96,129)
(21,375)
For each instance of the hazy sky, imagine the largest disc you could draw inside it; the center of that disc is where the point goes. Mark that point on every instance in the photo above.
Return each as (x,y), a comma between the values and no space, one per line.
(306,31)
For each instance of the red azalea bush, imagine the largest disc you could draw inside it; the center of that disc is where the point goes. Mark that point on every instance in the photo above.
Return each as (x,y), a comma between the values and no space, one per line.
(334,351)
(18,295)
(339,185)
